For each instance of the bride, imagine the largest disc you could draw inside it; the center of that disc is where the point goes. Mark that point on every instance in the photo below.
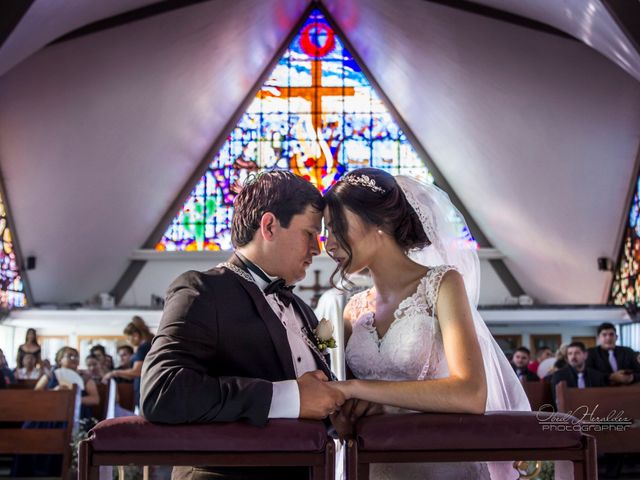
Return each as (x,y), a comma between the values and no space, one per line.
(415,340)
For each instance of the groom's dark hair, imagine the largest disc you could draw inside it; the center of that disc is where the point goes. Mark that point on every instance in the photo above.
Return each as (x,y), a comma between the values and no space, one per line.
(279,192)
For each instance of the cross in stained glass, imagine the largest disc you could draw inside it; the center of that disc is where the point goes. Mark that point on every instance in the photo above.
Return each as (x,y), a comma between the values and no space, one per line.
(317,115)
(314,92)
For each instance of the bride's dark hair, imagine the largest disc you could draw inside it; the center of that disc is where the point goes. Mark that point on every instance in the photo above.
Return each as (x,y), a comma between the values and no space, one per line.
(375,197)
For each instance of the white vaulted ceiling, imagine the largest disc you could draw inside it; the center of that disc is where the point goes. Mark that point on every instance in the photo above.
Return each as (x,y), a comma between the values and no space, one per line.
(536,133)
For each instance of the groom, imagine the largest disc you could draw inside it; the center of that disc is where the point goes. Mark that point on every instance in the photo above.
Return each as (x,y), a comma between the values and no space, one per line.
(234,342)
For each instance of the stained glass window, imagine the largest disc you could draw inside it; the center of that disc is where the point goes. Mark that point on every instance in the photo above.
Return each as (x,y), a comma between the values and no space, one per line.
(626,281)
(11,286)
(317,115)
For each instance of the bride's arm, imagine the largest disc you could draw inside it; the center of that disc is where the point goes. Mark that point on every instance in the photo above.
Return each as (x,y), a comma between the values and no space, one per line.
(465,390)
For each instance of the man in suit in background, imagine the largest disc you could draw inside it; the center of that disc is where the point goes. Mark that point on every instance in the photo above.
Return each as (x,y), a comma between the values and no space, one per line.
(234,342)
(620,364)
(520,364)
(577,374)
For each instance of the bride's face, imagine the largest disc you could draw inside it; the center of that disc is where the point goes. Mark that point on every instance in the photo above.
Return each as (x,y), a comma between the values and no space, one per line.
(361,237)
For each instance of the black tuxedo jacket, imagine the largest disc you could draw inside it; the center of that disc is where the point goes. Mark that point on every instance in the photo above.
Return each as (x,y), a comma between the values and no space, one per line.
(592,378)
(598,359)
(530,376)
(218,349)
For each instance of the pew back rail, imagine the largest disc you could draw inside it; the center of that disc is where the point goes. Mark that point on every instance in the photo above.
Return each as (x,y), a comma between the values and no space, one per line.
(439,437)
(608,406)
(134,441)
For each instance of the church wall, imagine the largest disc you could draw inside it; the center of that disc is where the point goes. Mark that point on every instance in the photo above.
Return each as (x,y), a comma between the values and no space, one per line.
(159,272)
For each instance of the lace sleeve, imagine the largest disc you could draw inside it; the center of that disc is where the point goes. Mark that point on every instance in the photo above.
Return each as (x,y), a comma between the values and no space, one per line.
(436,274)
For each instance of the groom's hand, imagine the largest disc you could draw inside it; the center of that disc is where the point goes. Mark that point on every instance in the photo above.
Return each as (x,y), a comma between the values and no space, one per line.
(317,398)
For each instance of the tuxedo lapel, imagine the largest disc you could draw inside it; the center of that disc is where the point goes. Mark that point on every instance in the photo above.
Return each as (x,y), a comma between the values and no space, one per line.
(274,325)
(310,323)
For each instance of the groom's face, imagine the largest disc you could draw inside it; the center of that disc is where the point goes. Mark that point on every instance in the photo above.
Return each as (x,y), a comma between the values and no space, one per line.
(296,245)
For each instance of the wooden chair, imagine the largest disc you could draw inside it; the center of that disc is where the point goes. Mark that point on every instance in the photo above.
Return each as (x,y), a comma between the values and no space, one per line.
(282,443)
(125,396)
(441,437)
(538,393)
(617,403)
(17,406)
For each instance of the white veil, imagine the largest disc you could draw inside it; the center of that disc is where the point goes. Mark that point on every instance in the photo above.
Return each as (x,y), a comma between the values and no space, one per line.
(452,244)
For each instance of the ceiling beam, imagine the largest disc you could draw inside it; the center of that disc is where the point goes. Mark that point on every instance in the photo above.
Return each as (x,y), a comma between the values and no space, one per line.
(626,14)
(127,17)
(502,16)
(11,12)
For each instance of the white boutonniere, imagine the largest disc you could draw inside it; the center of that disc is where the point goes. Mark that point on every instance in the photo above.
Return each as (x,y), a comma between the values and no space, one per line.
(324,335)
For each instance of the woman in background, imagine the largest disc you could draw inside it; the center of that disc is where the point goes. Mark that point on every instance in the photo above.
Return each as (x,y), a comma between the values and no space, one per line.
(139,336)
(68,358)
(31,346)
(94,370)
(29,369)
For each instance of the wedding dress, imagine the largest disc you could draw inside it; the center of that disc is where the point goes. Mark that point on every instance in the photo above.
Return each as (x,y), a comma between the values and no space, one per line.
(413,349)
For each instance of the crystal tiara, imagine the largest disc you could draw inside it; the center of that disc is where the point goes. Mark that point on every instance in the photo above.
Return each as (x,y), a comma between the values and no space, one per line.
(363,181)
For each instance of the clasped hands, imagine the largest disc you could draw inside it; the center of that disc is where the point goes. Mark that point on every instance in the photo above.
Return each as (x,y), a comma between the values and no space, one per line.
(320,398)
(621,377)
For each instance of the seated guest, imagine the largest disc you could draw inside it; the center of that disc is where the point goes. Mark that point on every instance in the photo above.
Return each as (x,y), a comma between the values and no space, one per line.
(46,368)
(5,371)
(106,361)
(67,358)
(520,362)
(577,374)
(94,369)
(541,354)
(29,370)
(125,356)
(620,364)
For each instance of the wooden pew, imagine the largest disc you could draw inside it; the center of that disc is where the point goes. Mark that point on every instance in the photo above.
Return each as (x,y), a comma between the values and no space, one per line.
(23,385)
(99,412)
(616,402)
(281,443)
(457,437)
(17,406)
(125,396)
(538,393)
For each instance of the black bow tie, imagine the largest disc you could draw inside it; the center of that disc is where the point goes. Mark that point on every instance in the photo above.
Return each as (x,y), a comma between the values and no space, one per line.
(278,286)
(283,291)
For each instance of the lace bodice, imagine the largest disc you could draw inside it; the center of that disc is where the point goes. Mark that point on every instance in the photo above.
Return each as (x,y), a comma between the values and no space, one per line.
(412,347)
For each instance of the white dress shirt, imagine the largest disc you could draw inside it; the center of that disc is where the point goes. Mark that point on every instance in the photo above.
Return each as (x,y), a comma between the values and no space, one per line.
(285,401)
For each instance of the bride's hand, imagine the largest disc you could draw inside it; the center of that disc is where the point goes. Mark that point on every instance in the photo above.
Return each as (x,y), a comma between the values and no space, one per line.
(342,424)
(360,408)
(345,419)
